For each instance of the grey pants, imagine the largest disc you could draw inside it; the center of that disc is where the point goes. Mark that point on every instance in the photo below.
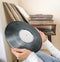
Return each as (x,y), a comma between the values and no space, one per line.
(46,57)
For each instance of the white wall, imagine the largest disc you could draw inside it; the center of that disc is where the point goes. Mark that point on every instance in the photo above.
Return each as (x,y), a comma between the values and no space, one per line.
(3,57)
(45,7)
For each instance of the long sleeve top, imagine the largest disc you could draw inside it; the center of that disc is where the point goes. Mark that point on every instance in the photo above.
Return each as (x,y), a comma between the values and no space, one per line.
(54,51)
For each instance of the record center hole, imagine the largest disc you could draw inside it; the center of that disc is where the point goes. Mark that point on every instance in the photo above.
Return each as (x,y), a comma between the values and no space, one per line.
(26,36)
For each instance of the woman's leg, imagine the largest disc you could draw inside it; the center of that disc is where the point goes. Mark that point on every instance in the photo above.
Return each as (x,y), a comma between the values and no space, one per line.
(46,57)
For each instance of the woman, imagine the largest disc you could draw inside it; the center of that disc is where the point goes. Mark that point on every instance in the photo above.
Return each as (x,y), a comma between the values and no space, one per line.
(29,56)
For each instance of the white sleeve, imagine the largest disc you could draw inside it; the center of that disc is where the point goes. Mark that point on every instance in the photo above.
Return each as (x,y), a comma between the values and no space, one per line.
(33,58)
(54,51)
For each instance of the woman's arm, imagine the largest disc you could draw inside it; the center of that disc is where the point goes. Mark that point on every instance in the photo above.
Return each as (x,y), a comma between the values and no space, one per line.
(33,58)
(26,55)
(53,50)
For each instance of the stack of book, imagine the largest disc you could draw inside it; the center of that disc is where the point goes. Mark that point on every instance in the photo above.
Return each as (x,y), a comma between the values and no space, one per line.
(41,17)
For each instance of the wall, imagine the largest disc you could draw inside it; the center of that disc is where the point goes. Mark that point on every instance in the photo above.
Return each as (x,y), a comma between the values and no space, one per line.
(45,7)
(5,53)
(2,46)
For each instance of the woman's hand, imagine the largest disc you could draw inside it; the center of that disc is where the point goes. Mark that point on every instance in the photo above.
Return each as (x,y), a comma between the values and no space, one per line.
(43,36)
(21,54)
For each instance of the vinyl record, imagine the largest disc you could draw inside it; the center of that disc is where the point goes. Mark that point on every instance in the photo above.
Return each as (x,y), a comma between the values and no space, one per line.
(22,35)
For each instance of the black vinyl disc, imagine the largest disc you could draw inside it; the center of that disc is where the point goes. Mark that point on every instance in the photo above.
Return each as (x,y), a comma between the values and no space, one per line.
(23,35)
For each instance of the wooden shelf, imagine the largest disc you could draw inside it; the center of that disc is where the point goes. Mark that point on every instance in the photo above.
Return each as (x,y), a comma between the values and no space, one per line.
(48,29)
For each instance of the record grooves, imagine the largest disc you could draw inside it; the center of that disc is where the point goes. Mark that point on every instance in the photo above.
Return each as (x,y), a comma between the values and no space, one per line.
(23,35)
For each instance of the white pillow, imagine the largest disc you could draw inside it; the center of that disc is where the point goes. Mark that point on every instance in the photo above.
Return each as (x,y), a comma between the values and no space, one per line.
(23,12)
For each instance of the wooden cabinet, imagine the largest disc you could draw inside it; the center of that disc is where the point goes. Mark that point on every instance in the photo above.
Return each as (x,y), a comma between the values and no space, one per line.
(48,29)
